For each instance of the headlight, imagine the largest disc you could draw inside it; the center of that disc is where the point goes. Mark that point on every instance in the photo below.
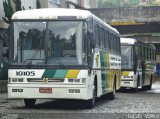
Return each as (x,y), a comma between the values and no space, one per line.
(70,80)
(14,80)
(20,80)
(77,80)
(74,80)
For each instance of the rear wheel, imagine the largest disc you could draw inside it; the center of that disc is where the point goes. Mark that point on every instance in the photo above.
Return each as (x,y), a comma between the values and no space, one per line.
(112,95)
(150,86)
(136,88)
(123,89)
(29,102)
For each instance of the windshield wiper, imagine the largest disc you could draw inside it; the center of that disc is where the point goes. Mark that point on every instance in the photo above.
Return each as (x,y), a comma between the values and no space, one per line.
(60,62)
(35,54)
(32,58)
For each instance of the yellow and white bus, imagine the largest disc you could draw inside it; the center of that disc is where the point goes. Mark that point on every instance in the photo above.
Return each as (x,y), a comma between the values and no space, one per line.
(138,64)
(62,54)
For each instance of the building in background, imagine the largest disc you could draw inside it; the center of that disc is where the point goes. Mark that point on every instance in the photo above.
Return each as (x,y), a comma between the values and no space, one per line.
(28,4)
(86,4)
(50,3)
(32,4)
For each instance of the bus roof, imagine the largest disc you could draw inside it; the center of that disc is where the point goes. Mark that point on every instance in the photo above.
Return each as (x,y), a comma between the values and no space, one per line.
(132,41)
(50,13)
(129,41)
(54,13)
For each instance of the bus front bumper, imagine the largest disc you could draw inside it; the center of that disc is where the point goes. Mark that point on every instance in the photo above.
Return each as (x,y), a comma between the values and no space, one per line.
(128,83)
(41,91)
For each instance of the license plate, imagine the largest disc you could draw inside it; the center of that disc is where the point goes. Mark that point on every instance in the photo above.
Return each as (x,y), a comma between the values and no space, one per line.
(126,82)
(45,90)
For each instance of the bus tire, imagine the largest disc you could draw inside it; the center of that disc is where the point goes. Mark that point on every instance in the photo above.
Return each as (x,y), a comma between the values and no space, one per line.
(91,102)
(150,85)
(112,95)
(136,88)
(29,102)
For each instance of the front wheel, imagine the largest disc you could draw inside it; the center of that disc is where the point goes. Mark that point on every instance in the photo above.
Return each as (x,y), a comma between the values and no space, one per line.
(29,102)
(91,102)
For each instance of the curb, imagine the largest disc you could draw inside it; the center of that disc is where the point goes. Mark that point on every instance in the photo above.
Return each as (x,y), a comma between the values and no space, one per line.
(3,86)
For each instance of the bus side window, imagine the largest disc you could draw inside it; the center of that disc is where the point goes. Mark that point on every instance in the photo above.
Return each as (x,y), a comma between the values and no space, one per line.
(138,52)
(116,44)
(150,55)
(96,32)
(145,53)
(102,38)
(107,40)
(119,44)
(112,42)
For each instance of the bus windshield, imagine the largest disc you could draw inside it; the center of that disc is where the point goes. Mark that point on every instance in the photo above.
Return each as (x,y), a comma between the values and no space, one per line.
(49,42)
(127,57)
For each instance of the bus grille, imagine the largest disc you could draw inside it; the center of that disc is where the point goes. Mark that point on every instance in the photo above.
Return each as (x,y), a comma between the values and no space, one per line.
(42,80)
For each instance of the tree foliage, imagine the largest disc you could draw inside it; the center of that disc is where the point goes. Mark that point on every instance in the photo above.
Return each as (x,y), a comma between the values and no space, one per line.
(8,10)
(18,5)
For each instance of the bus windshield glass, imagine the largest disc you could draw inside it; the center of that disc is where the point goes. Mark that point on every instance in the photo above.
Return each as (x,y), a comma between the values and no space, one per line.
(127,57)
(49,42)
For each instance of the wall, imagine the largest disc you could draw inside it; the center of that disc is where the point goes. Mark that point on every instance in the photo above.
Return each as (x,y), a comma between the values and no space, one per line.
(94,3)
(43,3)
(139,14)
(87,3)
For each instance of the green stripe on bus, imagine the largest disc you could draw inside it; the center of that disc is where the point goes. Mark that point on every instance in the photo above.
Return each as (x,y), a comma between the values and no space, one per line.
(49,73)
(104,72)
(60,73)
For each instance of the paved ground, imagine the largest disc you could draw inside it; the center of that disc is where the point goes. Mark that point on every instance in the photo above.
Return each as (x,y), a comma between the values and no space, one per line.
(143,104)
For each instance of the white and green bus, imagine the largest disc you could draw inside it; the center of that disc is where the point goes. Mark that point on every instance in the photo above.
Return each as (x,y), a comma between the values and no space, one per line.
(138,64)
(62,54)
